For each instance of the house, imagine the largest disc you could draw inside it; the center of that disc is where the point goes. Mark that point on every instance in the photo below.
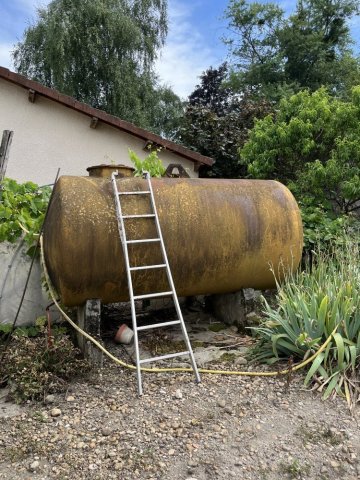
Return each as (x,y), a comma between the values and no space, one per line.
(52,131)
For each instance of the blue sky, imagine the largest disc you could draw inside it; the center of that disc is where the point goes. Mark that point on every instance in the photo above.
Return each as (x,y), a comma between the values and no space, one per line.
(193,44)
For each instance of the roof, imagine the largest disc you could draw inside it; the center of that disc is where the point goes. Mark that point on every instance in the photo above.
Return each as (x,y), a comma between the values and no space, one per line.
(102,116)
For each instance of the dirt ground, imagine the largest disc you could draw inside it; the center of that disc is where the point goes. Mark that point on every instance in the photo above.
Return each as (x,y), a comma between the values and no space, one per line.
(246,428)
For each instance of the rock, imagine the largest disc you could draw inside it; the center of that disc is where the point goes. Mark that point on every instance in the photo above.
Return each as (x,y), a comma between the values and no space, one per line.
(178,394)
(106,432)
(34,466)
(249,294)
(55,412)
(50,398)
(171,451)
(229,308)
(252,318)
(70,398)
(240,361)
(221,402)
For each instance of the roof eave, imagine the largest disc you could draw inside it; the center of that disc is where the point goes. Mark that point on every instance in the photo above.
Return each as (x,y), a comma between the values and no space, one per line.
(104,117)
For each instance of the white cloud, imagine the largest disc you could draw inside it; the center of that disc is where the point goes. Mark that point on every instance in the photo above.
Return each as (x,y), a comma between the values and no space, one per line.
(5,55)
(32,5)
(185,55)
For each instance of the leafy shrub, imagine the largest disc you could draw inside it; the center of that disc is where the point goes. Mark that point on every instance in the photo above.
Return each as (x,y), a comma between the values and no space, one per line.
(22,207)
(32,368)
(151,164)
(311,304)
(323,228)
(313,145)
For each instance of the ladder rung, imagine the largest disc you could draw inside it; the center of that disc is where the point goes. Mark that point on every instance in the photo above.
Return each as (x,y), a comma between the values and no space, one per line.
(145,240)
(145,267)
(152,295)
(163,357)
(141,192)
(158,325)
(147,215)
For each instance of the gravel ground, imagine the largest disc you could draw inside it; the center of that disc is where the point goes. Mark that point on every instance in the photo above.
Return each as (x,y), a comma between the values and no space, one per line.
(226,427)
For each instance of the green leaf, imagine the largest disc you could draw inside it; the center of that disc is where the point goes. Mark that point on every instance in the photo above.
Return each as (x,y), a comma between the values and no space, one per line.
(331,386)
(314,367)
(340,349)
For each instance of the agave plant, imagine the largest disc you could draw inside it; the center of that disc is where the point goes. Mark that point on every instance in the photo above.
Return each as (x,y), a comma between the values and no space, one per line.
(311,304)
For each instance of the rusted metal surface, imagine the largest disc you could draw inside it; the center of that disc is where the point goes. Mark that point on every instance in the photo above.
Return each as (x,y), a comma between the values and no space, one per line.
(105,171)
(220,235)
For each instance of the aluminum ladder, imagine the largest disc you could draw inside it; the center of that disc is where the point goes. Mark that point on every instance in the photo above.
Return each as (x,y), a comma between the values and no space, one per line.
(121,218)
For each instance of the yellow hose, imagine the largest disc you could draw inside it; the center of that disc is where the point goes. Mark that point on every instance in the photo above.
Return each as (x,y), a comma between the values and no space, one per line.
(173,369)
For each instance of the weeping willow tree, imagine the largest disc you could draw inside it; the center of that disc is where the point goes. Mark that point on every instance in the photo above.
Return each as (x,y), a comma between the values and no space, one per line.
(100,52)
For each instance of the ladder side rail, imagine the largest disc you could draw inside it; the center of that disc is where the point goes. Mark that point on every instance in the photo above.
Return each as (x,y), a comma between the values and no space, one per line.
(171,282)
(122,233)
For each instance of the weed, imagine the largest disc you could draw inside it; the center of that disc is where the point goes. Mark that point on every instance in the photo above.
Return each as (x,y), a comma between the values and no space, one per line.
(295,470)
(39,416)
(319,435)
(160,344)
(33,369)
(13,454)
(228,357)
(151,164)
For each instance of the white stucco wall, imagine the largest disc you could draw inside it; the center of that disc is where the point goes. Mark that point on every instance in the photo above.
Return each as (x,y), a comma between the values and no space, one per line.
(48,136)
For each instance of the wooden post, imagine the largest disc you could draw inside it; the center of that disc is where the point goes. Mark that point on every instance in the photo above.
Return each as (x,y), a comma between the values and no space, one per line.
(4,151)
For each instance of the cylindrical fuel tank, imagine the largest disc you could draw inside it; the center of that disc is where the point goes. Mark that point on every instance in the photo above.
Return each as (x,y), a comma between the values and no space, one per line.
(220,236)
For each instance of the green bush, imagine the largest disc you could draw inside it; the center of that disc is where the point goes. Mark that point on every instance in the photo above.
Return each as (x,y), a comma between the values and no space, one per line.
(310,304)
(22,209)
(323,228)
(311,144)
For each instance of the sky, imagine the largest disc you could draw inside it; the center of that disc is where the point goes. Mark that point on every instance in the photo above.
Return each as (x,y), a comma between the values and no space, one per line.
(193,43)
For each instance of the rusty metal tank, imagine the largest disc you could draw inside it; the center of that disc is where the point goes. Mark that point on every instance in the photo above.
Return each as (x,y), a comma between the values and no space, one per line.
(220,235)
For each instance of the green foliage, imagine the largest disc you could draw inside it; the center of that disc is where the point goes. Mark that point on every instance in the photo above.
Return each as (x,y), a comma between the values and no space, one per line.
(32,368)
(216,123)
(28,331)
(311,303)
(322,228)
(166,114)
(254,43)
(102,52)
(312,144)
(151,164)
(308,49)
(22,208)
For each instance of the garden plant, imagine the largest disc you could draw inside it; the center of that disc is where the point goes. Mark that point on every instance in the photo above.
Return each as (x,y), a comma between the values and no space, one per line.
(310,305)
